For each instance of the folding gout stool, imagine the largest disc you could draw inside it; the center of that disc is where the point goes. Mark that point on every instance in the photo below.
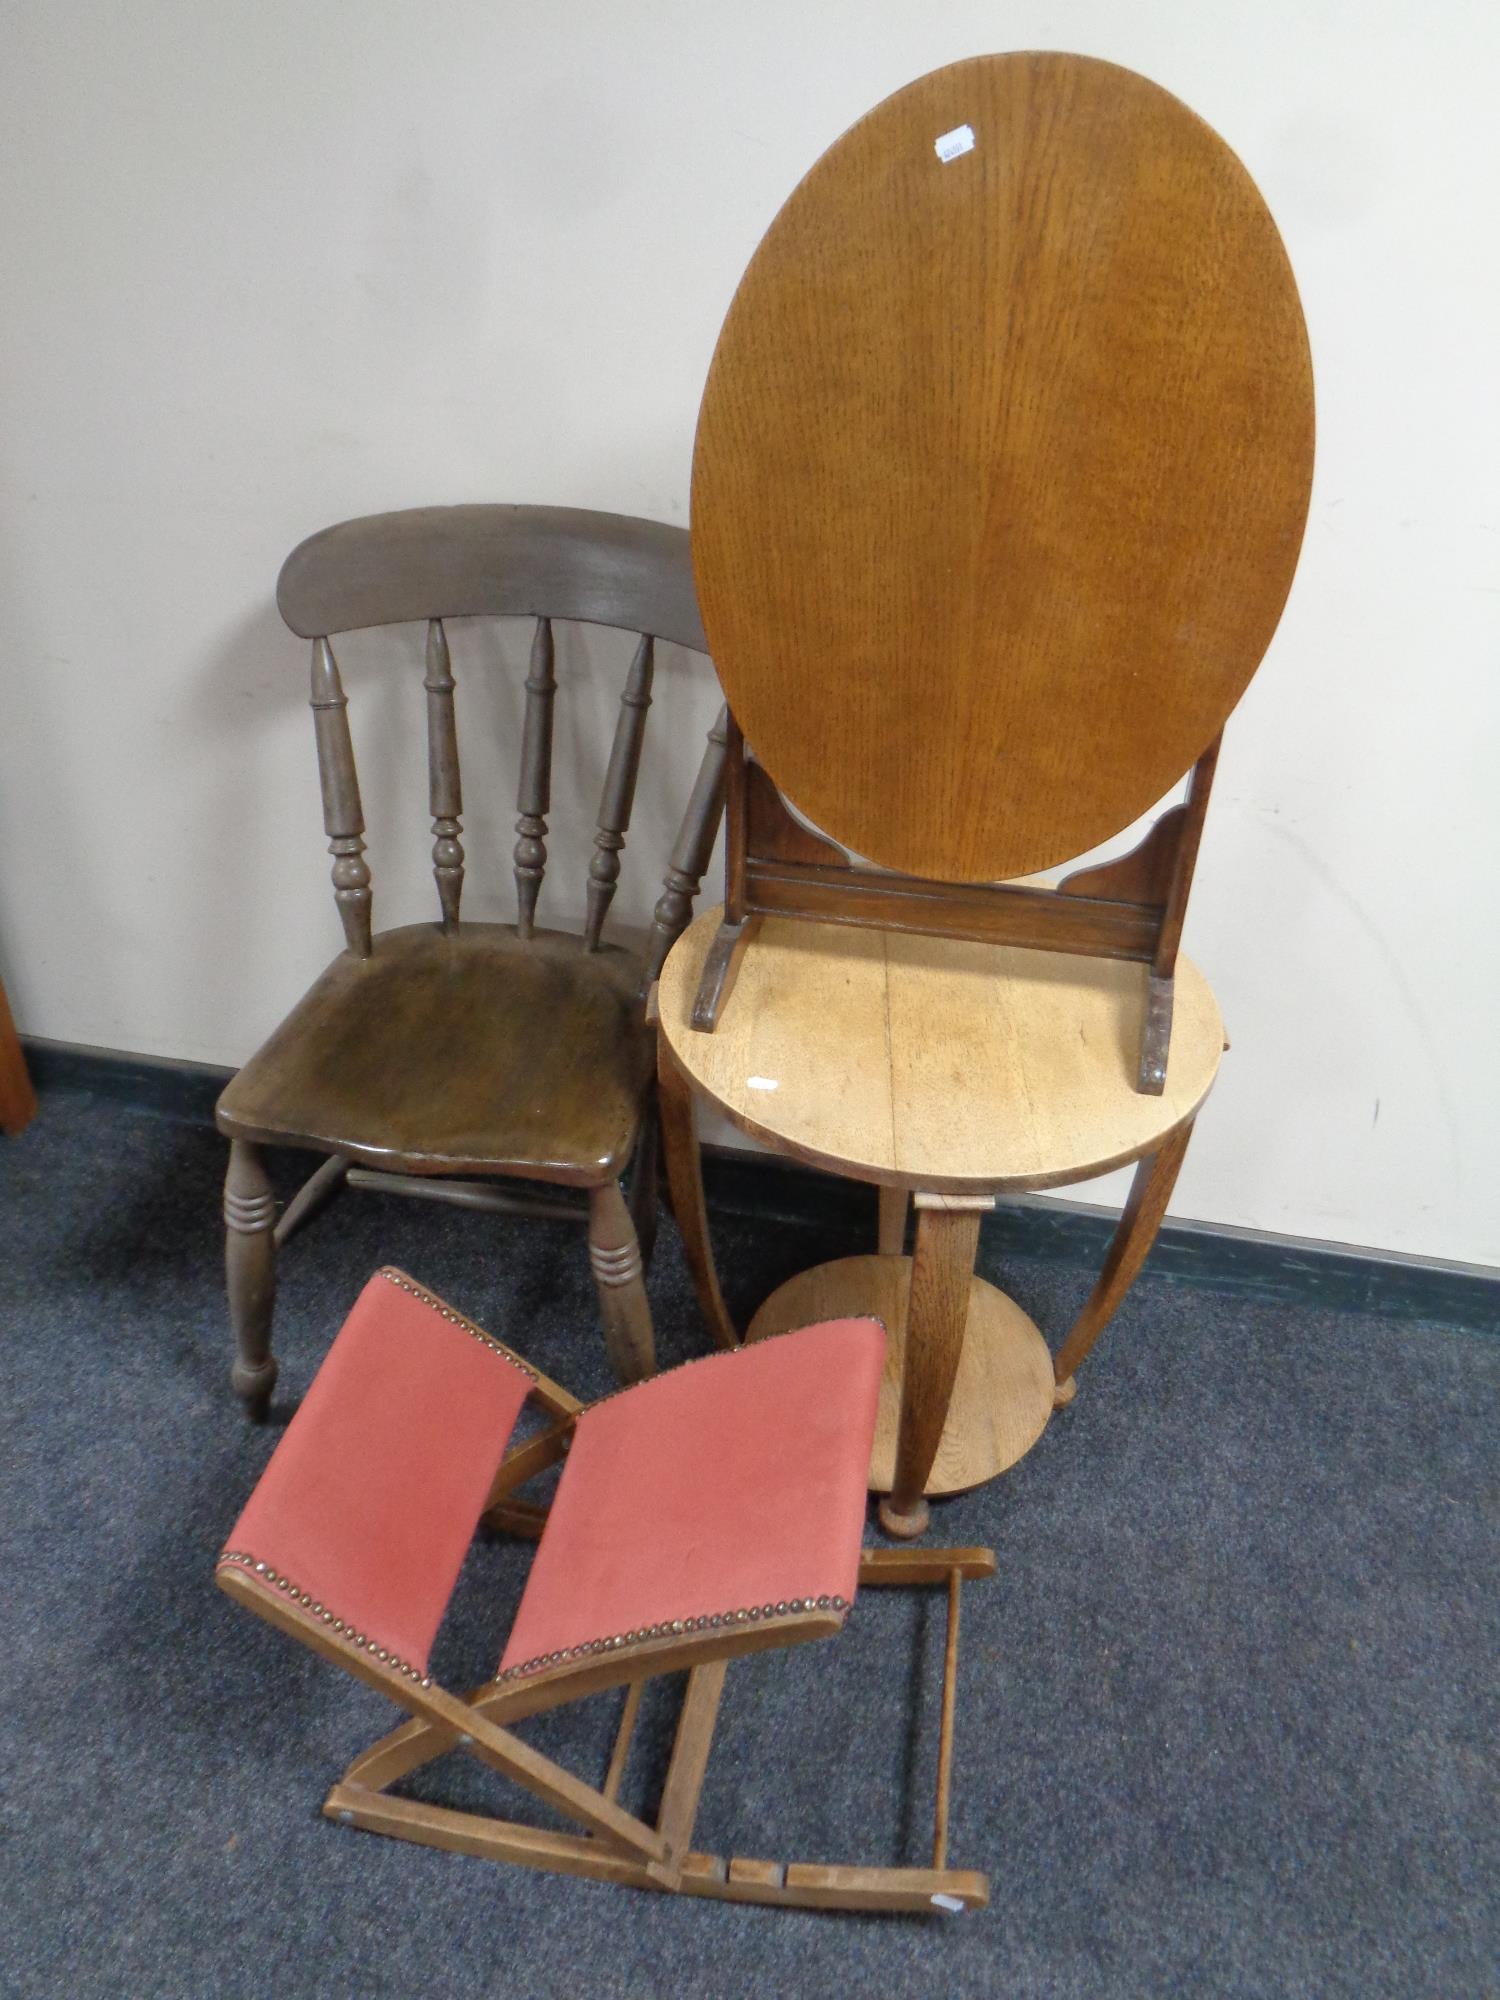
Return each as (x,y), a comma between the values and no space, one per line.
(708,1512)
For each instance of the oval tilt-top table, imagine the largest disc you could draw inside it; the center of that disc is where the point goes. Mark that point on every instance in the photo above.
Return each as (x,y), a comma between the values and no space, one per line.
(951,1072)
(998,487)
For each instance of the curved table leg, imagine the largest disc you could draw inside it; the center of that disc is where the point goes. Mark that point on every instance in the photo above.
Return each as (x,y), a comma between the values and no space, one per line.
(947,1238)
(1150,1192)
(684,1163)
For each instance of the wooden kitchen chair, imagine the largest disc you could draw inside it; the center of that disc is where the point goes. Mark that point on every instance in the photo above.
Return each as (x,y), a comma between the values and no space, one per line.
(433,1058)
(714,1511)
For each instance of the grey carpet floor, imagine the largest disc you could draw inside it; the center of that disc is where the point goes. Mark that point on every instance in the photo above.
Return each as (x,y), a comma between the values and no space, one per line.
(1227,1713)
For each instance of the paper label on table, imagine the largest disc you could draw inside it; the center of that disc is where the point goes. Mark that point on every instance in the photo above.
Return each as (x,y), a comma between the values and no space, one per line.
(762,1083)
(952,144)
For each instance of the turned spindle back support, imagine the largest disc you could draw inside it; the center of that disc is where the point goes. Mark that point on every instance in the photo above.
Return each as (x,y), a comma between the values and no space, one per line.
(534,799)
(544,563)
(343,816)
(445,791)
(695,840)
(619,789)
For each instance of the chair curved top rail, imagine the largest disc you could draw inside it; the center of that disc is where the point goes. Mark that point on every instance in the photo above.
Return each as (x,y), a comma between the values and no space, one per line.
(493,561)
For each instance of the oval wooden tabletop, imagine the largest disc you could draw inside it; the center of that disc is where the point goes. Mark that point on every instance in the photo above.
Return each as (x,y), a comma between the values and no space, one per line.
(1002,466)
(933,1064)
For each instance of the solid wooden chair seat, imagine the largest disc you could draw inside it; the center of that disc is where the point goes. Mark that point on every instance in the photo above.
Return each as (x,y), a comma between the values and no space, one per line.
(471,1051)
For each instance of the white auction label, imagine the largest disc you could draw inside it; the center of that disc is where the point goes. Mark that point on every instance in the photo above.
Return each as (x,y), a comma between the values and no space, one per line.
(952,144)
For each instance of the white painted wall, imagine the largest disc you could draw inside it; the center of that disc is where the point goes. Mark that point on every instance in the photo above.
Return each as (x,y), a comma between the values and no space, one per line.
(264,266)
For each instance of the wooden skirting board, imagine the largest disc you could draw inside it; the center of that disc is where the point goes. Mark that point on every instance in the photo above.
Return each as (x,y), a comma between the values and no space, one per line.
(1250,1263)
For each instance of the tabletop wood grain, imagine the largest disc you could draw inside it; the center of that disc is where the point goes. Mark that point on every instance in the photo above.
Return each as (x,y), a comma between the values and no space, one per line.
(936,1064)
(1002,466)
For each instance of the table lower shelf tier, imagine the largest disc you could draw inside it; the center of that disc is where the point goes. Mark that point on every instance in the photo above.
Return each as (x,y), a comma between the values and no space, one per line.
(1003,1394)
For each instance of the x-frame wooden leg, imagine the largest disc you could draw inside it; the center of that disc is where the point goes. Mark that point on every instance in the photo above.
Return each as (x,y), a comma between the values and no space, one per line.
(360,1798)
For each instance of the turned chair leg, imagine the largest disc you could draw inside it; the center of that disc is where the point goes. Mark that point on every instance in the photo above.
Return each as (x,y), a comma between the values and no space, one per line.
(615,1254)
(250,1274)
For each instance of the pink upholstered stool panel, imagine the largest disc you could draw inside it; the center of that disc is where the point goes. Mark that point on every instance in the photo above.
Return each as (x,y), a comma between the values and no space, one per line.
(370,1501)
(738,1480)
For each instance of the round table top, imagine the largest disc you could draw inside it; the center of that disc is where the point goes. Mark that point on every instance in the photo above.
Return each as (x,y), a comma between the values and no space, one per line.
(1002,466)
(934,1064)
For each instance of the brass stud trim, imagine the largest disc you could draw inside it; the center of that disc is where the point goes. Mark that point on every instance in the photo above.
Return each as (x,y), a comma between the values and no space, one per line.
(670,1628)
(241,1559)
(486,1340)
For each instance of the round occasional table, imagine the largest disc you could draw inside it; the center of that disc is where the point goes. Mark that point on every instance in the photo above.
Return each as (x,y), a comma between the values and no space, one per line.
(948,1072)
